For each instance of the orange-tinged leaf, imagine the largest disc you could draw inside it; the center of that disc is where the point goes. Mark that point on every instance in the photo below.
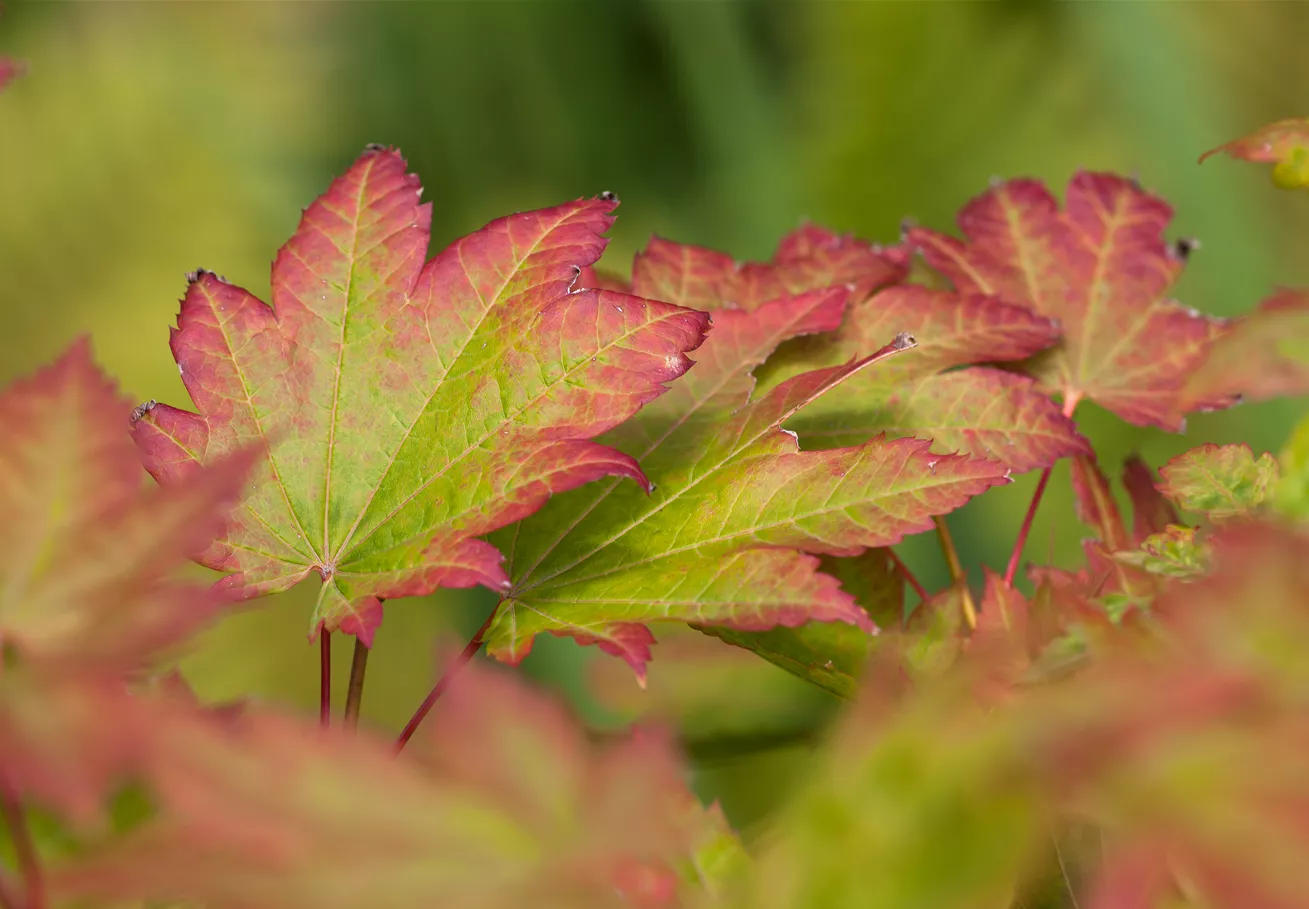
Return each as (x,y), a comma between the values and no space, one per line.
(1284,144)
(728,538)
(1102,268)
(407,408)
(501,801)
(88,551)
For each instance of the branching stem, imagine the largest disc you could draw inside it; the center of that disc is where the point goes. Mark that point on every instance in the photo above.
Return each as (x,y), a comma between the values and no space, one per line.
(956,569)
(324,677)
(907,574)
(443,683)
(354,696)
(29,865)
(1070,404)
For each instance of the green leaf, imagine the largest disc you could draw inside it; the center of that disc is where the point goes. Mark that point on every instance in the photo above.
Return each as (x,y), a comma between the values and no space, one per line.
(1221,481)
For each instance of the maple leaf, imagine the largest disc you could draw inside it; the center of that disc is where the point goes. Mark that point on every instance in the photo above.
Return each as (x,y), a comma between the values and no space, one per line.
(1263,354)
(1221,481)
(502,801)
(88,552)
(730,533)
(408,408)
(1284,144)
(985,412)
(1102,268)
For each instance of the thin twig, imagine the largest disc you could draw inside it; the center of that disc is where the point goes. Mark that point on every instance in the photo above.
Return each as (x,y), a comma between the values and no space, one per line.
(443,683)
(29,864)
(1017,555)
(907,574)
(325,677)
(956,569)
(354,696)
(1070,404)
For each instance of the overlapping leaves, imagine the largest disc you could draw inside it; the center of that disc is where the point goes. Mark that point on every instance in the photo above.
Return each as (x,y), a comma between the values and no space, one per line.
(730,534)
(983,411)
(1102,268)
(408,408)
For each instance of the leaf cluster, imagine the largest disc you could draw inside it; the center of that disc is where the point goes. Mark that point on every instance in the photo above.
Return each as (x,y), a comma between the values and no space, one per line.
(727,451)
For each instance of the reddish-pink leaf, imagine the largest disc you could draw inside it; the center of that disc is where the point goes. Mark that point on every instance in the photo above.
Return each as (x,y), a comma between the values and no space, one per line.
(88,552)
(806,259)
(408,408)
(1151,512)
(1261,355)
(728,536)
(1102,268)
(500,801)
(1284,144)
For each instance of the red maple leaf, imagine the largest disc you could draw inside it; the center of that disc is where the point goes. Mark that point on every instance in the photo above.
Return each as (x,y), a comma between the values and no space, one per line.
(1102,268)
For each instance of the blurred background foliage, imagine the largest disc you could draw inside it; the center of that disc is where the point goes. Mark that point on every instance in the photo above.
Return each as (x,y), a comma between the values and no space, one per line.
(149,139)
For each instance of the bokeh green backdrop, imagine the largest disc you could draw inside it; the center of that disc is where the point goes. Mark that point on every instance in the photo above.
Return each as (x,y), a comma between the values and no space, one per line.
(149,139)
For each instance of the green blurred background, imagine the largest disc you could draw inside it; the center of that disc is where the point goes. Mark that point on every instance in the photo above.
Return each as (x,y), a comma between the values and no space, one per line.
(149,139)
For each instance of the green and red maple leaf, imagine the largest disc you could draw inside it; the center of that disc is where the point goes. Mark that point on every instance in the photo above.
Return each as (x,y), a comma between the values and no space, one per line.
(407,408)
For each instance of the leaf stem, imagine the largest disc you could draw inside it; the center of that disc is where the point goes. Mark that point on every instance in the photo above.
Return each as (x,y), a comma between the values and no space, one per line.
(956,569)
(907,574)
(324,677)
(354,696)
(1070,404)
(29,865)
(443,683)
